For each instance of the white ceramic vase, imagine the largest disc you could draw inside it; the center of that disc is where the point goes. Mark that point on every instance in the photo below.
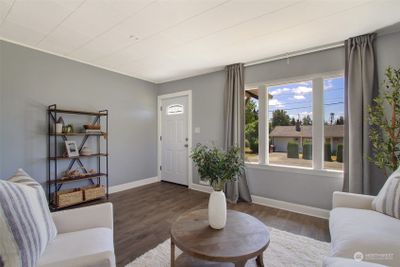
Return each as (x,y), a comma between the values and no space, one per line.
(217,210)
(59,127)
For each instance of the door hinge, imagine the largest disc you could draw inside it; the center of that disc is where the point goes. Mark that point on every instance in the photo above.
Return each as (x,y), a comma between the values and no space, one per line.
(161,108)
(160,167)
(160,138)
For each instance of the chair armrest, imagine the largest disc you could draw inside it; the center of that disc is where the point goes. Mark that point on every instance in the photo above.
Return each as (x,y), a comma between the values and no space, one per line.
(102,259)
(350,200)
(84,218)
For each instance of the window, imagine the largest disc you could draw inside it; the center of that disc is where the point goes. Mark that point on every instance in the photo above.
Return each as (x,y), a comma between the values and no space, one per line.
(296,124)
(174,109)
(333,123)
(290,124)
(251,127)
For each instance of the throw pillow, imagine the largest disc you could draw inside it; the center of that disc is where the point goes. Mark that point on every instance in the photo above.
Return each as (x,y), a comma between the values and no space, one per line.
(26,225)
(46,219)
(388,199)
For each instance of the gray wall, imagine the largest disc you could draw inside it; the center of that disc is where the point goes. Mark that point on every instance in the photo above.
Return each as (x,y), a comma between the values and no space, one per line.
(208,115)
(304,189)
(207,110)
(32,80)
(387,54)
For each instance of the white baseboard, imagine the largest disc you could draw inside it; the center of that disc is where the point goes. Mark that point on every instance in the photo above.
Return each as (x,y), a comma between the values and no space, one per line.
(126,186)
(201,188)
(293,207)
(273,203)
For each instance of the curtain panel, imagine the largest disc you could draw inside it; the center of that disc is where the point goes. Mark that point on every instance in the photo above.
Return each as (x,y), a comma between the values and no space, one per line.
(234,127)
(359,87)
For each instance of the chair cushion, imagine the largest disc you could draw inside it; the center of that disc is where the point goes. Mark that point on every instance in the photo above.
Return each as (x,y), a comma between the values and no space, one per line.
(75,247)
(388,199)
(373,234)
(23,227)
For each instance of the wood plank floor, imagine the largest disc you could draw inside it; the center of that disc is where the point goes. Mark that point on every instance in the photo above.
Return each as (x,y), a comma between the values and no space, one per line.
(143,217)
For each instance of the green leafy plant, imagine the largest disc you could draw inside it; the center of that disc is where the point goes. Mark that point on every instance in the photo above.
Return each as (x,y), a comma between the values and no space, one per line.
(251,127)
(384,132)
(216,166)
(280,118)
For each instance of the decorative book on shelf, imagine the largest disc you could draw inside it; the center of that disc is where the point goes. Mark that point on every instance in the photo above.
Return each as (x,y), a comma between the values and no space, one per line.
(70,162)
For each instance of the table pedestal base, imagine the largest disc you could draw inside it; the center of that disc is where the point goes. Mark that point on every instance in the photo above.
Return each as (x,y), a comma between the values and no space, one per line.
(185,260)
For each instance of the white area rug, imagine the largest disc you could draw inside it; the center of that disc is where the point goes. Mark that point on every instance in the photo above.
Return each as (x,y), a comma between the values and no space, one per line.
(285,249)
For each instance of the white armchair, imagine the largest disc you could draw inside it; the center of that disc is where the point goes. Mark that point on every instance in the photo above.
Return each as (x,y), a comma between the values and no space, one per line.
(85,238)
(357,229)
(350,200)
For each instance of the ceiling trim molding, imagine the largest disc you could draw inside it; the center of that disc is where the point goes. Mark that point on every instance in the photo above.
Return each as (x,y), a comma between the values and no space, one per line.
(262,61)
(295,54)
(76,60)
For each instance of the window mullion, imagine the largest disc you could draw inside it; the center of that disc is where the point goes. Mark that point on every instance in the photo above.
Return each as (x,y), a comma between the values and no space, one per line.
(318,123)
(262,125)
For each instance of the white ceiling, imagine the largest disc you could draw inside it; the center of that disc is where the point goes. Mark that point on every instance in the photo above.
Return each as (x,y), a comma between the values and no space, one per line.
(166,40)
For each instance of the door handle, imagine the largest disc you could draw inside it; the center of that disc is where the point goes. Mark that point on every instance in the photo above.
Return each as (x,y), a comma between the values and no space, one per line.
(186,145)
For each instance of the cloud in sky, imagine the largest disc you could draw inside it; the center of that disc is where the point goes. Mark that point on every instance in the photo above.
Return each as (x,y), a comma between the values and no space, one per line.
(279,91)
(299,97)
(328,84)
(301,114)
(295,90)
(275,103)
(305,113)
(301,90)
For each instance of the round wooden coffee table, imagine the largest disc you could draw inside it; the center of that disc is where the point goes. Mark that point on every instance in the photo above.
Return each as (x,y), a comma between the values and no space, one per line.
(244,237)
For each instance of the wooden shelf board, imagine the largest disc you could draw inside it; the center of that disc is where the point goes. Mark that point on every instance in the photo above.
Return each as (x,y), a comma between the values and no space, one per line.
(77,134)
(70,180)
(81,156)
(78,112)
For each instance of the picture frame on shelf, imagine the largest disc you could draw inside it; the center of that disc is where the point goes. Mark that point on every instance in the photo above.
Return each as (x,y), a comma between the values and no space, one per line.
(72,148)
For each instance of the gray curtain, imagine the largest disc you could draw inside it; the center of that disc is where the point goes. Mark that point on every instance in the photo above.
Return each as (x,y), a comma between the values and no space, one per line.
(234,126)
(359,83)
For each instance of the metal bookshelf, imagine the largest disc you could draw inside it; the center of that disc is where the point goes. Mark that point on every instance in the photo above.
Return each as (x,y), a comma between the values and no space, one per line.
(55,183)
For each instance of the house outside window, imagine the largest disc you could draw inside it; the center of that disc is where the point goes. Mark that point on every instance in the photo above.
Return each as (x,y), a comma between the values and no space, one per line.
(298,123)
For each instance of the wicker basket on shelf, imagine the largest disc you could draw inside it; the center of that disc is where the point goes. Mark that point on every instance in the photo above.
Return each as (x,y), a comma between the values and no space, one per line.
(69,197)
(91,126)
(93,192)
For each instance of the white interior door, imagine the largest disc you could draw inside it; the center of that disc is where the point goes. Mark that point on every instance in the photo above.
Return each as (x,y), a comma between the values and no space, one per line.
(174,140)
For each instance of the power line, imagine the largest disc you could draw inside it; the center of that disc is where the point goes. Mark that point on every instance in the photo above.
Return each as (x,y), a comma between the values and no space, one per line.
(328,104)
(306,102)
(292,93)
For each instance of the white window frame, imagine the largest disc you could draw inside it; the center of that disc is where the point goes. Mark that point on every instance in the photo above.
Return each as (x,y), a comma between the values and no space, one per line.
(317,126)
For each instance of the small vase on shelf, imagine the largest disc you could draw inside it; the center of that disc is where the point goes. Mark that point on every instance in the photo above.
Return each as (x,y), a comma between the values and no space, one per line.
(59,128)
(59,125)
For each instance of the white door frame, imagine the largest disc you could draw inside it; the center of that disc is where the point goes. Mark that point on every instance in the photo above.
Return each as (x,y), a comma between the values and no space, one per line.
(187,93)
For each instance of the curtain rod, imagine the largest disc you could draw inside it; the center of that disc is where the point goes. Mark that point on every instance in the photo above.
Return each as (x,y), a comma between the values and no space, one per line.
(296,53)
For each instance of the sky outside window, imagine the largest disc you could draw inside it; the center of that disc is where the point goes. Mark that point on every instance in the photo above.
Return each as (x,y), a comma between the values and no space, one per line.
(296,98)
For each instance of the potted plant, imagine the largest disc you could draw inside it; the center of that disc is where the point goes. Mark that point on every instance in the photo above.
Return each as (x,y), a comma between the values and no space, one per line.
(217,167)
(384,119)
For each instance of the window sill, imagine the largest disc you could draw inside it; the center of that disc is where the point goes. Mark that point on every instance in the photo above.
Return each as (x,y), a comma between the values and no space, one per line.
(299,170)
